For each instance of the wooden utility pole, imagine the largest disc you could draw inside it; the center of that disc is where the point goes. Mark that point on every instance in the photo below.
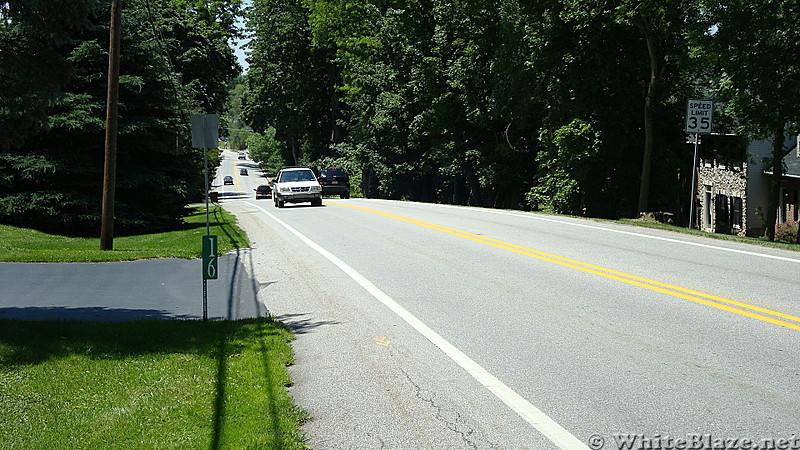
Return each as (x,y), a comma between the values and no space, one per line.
(110,167)
(645,26)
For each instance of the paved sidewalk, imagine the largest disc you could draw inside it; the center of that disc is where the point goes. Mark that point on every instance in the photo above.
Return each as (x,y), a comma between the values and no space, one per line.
(126,291)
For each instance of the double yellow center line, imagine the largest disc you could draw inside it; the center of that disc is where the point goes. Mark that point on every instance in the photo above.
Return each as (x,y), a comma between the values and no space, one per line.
(725,304)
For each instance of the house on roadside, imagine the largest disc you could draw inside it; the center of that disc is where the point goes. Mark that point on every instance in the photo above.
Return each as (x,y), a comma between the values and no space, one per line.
(733,192)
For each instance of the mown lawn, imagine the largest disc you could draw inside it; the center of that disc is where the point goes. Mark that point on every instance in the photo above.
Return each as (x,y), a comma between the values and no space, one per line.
(27,245)
(158,384)
(723,237)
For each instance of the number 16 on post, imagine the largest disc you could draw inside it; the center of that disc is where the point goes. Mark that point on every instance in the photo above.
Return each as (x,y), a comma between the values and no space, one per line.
(209,257)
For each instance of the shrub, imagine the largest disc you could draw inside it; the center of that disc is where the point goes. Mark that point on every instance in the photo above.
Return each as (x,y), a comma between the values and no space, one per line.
(565,162)
(786,232)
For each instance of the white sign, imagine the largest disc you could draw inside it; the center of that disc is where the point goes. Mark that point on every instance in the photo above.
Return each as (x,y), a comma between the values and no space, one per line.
(699,114)
(205,130)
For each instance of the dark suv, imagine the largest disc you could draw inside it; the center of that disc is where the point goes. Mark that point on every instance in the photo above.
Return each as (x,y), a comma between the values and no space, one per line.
(334,182)
(263,191)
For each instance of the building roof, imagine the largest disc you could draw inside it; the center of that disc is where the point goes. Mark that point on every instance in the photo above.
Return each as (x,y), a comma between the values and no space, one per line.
(792,161)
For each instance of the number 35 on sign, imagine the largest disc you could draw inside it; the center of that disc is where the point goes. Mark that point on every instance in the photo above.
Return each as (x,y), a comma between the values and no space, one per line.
(699,114)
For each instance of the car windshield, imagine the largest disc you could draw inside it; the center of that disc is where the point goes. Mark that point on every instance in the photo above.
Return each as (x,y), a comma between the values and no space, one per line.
(297,175)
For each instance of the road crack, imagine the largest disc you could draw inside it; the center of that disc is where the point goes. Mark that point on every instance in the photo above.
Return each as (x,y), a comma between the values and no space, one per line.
(454,424)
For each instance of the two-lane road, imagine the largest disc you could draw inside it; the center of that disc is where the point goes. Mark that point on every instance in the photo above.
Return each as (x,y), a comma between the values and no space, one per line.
(437,326)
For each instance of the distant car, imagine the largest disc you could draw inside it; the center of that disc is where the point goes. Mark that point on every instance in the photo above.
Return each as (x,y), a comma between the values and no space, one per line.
(335,182)
(263,191)
(242,171)
(296,185)
(227,180)
(242,157)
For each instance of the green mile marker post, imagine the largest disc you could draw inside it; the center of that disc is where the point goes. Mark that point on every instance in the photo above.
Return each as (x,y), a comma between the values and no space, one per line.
(209,257)
(205,135)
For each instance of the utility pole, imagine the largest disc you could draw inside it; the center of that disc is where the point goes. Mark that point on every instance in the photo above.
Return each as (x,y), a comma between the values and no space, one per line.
(110,166)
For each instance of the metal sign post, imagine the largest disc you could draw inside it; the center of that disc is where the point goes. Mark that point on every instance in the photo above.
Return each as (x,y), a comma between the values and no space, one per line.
(696,139)
(699,117)
(205,135)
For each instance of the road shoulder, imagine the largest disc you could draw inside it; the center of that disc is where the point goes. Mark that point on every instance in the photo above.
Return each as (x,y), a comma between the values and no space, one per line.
(366,379)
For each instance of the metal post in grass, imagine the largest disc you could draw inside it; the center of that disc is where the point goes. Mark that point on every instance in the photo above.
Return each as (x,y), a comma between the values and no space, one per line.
(205,135)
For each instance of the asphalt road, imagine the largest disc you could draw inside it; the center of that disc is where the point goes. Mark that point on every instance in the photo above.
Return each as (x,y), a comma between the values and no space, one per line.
(128,291)
(431,326)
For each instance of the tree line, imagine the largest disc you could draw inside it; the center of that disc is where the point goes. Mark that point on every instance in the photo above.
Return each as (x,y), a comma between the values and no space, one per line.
(564,106)
(574,107)
(175,61)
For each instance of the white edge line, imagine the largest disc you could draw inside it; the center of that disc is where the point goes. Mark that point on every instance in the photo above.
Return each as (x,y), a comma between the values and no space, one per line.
(530,413)
(595,227)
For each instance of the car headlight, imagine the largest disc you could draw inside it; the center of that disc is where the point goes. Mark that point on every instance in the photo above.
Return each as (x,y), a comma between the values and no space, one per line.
(285,189)
(316,188)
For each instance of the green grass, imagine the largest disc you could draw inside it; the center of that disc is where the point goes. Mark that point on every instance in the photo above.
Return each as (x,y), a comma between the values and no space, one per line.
(649,223)
(27,245)
(158,384)
(724,237)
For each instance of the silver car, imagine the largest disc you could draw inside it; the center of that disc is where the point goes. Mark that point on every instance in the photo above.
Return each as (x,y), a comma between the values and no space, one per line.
(296,185)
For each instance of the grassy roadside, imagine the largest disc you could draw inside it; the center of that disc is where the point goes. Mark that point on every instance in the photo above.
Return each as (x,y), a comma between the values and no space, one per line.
(27,245)
(649,223)
(723,237)
(159,384)
(155,384)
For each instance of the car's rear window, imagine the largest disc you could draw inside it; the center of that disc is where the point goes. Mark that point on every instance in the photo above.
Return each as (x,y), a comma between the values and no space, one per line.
(334,172)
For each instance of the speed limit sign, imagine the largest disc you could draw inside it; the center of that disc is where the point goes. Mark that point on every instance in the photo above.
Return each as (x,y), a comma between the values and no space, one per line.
(699,114)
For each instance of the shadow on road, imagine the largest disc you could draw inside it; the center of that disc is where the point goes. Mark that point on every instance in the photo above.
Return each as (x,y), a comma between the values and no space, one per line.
(247,165)
(86,314)
(301,325)
(233,195)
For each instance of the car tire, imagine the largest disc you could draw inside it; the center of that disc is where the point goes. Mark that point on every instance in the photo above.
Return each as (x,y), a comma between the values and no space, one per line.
(281,203)
(316,202)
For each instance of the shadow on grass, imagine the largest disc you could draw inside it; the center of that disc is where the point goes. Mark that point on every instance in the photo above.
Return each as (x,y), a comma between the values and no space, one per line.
(26,343)
(272,405)
(32,342)
(261,332)
(219,391)
(235,238)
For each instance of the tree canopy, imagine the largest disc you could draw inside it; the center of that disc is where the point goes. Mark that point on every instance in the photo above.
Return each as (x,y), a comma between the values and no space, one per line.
(572,107)
(175,60)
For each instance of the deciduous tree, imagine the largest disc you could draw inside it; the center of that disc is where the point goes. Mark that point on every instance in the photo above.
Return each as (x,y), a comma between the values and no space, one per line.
(752,44)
